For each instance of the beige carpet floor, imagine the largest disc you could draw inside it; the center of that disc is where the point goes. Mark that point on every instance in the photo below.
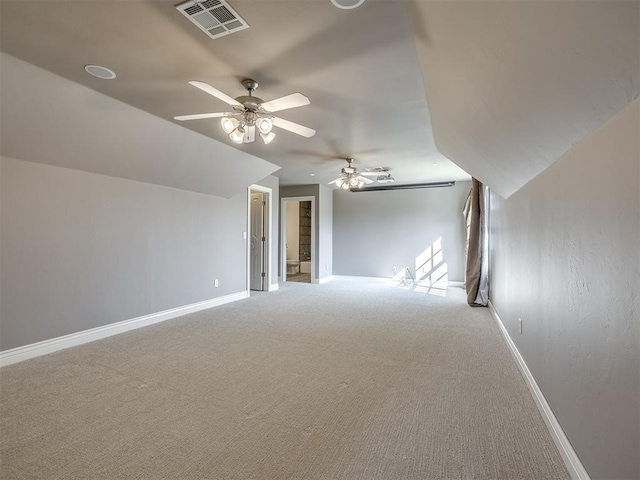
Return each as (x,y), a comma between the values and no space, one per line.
(353,379)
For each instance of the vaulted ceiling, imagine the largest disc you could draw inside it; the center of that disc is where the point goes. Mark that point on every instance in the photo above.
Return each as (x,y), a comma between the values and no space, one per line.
(512,86)
(432,89)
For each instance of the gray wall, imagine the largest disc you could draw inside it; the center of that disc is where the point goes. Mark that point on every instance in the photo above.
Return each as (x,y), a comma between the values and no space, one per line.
(374,231)
(325,232)
(49,119)
(565,257)
(93,233)
(274,184)
(81,250)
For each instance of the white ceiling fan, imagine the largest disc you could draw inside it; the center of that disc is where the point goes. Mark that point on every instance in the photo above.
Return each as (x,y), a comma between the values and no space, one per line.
(351,178)
(382,174)
(251,113)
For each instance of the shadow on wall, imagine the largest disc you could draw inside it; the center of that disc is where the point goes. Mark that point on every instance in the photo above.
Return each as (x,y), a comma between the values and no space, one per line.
(431,272)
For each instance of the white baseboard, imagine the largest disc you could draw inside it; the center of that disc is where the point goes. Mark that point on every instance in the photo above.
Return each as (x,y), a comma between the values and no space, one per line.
(571,460)
(273,287)
(325,279)
(19,354)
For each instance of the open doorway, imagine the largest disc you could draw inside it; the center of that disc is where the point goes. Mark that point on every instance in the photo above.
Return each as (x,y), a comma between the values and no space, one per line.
(259,233)
(298,234)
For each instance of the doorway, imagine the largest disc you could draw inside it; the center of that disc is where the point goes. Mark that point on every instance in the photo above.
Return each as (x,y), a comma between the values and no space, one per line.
(298,239)
(259,233)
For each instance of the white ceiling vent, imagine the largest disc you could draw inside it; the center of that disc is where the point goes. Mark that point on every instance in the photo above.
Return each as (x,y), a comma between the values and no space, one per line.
(216,18)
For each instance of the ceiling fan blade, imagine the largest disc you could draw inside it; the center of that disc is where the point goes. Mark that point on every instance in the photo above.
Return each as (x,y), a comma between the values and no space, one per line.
(283,103)
(293,127)
(364,179)
(371,174)
(198,116)
(205,87)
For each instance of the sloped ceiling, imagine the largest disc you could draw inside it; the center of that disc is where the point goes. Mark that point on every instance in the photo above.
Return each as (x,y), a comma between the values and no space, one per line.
(358,67)
(500,88)
(48,119)
(512,86)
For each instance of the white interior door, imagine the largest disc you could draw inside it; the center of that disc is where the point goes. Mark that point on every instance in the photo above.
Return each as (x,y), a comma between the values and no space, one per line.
(258,239)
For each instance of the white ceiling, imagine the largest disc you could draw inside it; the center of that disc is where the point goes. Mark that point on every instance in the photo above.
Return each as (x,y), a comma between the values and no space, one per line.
(511,85)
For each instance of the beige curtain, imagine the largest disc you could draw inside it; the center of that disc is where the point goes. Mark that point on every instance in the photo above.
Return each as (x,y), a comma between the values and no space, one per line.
(476,280)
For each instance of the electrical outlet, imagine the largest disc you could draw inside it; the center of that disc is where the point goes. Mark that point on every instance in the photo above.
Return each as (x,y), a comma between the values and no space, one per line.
(326,267)
(244,235)
(215,283)
(394,270)
(520,322)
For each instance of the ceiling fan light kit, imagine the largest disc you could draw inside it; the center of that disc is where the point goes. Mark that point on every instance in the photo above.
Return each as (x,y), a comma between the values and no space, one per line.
(252,113)
(229,124)
(350,178)
(268,138)
(265,125)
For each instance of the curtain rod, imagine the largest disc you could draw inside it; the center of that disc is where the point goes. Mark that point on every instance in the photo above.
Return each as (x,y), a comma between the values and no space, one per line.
(404,187)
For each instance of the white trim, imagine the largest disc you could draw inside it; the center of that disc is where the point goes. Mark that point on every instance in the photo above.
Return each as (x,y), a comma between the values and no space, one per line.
(19,354)
(283,234)
(325,279)
(273,287)
(267,247)
(571,460)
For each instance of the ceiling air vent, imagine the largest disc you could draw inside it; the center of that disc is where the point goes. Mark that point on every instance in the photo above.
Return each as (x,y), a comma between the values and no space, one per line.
(216,18)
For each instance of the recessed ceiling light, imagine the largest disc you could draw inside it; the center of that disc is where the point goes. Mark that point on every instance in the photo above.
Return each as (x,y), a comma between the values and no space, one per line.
(347,4)
(100,72)
(312,174)
(435,164)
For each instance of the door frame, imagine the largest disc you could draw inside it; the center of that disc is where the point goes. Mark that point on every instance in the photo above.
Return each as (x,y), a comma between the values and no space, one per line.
(283,234)
(268,235)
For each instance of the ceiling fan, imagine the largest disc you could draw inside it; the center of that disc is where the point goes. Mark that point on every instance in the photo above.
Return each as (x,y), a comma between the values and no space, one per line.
(350,178)
(382,174)
(252,113)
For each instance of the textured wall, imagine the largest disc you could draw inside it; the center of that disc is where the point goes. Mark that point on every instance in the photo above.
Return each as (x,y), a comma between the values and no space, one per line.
(374,231)
(81,250)
(564,258)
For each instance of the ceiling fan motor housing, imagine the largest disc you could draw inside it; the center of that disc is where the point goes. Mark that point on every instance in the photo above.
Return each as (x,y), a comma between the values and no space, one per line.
(250,103)
(249,84)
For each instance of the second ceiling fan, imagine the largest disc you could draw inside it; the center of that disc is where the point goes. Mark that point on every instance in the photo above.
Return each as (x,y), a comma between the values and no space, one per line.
(252,113)
(350,177)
